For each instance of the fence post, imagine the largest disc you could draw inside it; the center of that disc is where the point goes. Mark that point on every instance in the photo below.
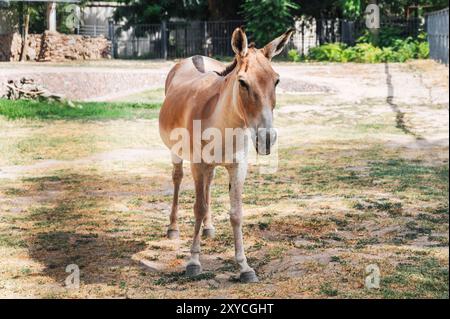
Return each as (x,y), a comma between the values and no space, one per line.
(164,39)
(205,26)
(186,53)
(303,38)
(112,37)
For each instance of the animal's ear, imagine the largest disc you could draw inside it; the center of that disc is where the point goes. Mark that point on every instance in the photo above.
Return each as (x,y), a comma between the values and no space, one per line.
(276,46)
(239,42)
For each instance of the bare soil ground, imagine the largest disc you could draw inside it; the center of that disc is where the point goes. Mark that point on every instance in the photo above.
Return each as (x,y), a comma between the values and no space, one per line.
(90,81)
(362,180)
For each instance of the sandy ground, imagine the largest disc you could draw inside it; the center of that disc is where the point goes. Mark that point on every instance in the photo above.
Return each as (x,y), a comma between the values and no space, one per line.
(362,180)
(105,80)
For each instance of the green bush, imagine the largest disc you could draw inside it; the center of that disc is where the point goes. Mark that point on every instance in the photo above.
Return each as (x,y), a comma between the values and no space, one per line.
(392,48)
(368,53)
(423,50)
(294,56)
(331,52)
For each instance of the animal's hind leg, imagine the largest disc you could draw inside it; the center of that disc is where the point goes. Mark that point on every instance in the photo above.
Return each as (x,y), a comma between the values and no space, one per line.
(208,228)
(177,176)
(194,267)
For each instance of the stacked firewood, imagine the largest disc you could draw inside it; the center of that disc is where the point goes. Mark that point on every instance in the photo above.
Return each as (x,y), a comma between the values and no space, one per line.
(53,46)
(26,88)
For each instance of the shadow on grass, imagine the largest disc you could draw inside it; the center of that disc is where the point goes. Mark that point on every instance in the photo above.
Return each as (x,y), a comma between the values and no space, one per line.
(378,170)
(97,257)
(73,232)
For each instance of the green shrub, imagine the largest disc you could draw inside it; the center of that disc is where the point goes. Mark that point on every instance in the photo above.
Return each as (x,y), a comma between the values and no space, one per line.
(424,50)
(393,46)
(294,56)
(350,55)
(367,53)
(332,52)
(389,55)
(398,50)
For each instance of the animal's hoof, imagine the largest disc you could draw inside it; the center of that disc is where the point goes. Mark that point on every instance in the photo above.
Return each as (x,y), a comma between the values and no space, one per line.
(193,270)
(248,277)
(209,232)
(173,234)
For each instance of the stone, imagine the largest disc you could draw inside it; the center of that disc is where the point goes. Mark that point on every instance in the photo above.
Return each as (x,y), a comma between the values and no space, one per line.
(150,266)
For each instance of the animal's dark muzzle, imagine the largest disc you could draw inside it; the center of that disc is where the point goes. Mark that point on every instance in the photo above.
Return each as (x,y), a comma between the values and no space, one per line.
(265,139)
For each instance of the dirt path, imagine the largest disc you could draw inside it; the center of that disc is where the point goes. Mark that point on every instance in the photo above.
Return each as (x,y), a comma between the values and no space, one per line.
(350,83)
(92,83)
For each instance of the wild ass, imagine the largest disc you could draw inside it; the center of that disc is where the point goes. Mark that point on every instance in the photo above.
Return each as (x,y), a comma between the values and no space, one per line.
(238,96)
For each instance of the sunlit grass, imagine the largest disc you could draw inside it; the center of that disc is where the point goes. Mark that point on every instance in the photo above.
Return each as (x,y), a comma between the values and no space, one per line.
(45,110)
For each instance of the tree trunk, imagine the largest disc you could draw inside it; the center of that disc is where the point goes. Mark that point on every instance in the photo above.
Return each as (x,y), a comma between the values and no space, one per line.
(51,16)
(26,25)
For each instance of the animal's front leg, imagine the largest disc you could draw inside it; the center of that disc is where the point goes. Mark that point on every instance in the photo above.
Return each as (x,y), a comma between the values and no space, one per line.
(237,174)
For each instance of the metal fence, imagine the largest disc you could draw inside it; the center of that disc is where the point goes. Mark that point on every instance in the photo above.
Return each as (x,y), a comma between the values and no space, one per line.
(350,31)
(93,30)
(173,39)
(437,29)
(212,38)
(140,41)
(314,32)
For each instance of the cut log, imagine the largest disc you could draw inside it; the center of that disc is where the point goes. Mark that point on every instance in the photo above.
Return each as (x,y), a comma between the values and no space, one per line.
(27,89)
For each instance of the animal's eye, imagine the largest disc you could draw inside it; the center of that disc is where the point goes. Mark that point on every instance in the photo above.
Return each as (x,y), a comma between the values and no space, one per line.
(243,84)
(277,82)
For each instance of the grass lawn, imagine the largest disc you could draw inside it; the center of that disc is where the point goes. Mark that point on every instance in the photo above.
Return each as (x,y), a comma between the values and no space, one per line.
(45,110)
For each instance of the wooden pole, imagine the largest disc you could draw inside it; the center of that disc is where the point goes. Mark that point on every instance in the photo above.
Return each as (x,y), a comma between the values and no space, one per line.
(26,25)
(51,16)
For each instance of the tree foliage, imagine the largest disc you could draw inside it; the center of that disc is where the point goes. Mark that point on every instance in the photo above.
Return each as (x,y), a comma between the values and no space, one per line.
(394,7)
(154,11)
(355,8)
(351,8)
(224,10)
(267,19)
(319,9)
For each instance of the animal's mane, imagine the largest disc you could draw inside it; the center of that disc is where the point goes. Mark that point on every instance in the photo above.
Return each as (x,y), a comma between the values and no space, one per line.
(228,69)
